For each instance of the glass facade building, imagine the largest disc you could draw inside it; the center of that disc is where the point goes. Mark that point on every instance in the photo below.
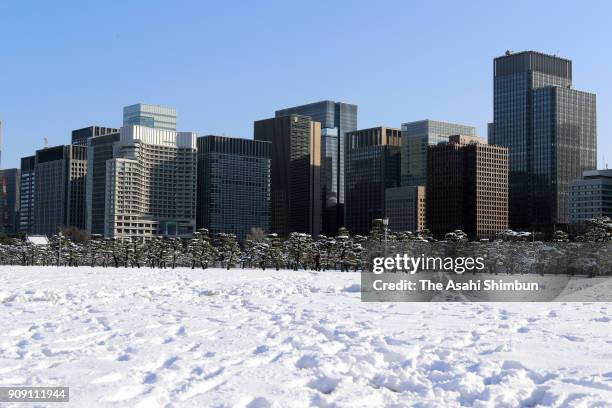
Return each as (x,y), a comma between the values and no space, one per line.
(153,116)
(295,201)
(405,208)
(336,118)
(81,136)
(9,200)
(233,185)
(99,150)
(416,137)
(59,188)
(591,196)
(373,166)
(26,194)
(549,129)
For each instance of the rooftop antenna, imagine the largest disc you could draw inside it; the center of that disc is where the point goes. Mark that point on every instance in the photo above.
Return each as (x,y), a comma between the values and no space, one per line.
(46,142)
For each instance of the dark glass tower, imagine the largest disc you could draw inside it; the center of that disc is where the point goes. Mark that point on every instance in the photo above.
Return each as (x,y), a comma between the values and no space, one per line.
(549,129)
(81,136)
(99,150)
(9,200)
(26,194)
(373,166)
(295,203)
(336,118)
(59,188)
(233,185)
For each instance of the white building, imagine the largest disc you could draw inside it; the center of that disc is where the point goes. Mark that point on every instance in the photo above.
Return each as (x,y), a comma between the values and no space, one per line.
(151,184)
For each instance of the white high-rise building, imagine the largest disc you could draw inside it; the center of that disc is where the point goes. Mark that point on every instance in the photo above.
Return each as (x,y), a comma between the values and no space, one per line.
(151,184)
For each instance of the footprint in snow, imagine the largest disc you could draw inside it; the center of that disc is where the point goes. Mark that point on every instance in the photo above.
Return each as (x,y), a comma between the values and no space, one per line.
(571,337)
(259,402)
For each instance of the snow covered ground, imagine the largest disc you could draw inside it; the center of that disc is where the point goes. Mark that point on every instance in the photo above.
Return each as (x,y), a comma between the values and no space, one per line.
(173,338)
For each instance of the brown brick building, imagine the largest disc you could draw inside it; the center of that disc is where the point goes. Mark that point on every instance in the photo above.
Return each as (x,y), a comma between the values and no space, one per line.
(467,187)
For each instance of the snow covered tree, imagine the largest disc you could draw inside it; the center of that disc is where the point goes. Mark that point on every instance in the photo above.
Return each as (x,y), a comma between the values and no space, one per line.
(135,251)
(93,250)
(229,250)
(299,250)
(175,250)
(425,235)
(357,247)
(58,246)
(456,236)
(200,250)
(560,236)
(598,230)
(254,253)
(163,252)
(116,250)
(274,254)
(323,249)
(377,233)
(73,253)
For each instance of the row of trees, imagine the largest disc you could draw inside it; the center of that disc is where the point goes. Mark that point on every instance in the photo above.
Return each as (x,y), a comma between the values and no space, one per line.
(298,251)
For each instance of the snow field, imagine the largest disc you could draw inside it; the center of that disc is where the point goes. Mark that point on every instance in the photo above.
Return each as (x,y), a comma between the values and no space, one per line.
(251,338)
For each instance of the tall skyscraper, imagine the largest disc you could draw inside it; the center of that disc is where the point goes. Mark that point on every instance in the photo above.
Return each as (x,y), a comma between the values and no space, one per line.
(295,178)
(0,142)
(467,187)
(416,137)
(336,118)
(233,185)
(99,150)
(549,129)
(26,194)
(153,116)
(151,184)
(81,136)
(9,201)
(373,165)
(59,188)
(591,196)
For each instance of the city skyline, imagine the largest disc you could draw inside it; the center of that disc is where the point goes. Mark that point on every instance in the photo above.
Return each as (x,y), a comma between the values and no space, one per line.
(229,81)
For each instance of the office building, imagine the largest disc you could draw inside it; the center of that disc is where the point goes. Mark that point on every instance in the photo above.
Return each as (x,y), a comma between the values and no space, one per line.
(550,132)
(9,201)
(0,142)
(467,187)
(233,185)
(59,188)
(416,137)
(151,184)
(295,204)
(26,194)
(153,116)
(336,118)
(591,196)
(405,208)
(373,165)
(81,136)
(100,149)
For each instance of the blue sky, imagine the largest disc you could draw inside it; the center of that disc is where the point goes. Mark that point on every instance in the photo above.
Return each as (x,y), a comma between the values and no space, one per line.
(223,64)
